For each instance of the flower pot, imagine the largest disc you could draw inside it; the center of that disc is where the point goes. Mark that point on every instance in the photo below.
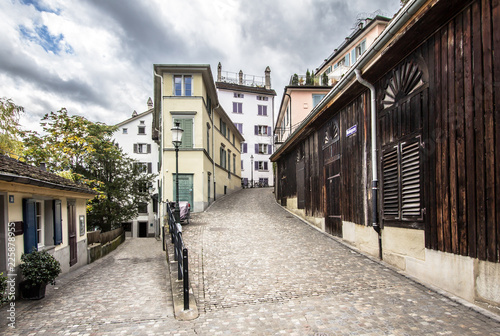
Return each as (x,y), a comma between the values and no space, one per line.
(35,292)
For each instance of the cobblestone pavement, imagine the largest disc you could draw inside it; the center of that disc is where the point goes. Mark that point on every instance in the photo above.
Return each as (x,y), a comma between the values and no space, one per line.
(255,270)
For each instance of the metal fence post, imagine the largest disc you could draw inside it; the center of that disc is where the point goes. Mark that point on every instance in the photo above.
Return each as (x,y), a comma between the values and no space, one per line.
(186,279)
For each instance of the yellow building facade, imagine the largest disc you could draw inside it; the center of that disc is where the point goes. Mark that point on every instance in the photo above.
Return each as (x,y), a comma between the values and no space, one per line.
(209,158)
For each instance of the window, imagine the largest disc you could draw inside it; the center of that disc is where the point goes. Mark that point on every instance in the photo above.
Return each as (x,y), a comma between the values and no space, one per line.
(237,107)
(187,136)
(238,95)
(401,181)
(142,208)
(360,49)
(39,223)
(239,126)
(223,128)
(263,181)
(125,131)
(346,60)
(262,110)
(141,130)
(264,98)
(144,167)
(208,139)
(261,165)
(141,148)
(317,98)
(262,149)
(244,147)
(223,157)
(353,55)
(262,130)
(182,85)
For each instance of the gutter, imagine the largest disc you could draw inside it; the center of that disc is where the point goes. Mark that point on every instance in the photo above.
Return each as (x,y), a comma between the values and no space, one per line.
(390,31)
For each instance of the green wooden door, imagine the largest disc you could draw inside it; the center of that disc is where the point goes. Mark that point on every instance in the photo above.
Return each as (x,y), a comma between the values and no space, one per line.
(185,188)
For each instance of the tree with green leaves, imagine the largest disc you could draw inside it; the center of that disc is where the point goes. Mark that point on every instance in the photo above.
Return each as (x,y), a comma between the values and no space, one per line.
(83,150)
(324,79)
(10,132)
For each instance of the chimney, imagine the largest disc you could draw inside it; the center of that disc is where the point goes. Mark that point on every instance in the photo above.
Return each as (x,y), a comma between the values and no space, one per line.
(219,72)
(241,77)
(268,78)
(150,104)
(42,166)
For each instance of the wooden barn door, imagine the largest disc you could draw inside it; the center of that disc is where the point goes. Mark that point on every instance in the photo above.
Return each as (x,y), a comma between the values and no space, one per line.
(73,248)
(333,182)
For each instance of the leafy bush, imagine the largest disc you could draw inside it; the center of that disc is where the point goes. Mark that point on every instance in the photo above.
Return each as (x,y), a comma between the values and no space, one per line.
(39,267)
(3,288)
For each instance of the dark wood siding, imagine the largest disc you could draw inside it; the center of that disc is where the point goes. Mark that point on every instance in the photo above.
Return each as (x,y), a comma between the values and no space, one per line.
(462,139)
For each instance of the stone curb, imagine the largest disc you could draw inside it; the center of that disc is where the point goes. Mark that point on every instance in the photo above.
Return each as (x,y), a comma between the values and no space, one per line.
(178,289)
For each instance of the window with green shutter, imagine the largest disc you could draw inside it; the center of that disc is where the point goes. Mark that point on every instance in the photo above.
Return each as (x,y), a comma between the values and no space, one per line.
(187,136)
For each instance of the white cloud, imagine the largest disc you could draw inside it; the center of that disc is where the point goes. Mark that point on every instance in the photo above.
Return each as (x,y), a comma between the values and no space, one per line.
(98,56)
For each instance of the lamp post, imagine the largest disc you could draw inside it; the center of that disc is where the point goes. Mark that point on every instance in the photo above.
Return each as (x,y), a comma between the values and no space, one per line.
(251,160)
(176,141)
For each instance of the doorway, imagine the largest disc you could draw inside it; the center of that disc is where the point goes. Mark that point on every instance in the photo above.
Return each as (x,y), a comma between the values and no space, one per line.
(143,229)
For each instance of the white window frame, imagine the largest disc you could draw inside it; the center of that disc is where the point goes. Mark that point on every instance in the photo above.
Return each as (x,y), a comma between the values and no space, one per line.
(183,85)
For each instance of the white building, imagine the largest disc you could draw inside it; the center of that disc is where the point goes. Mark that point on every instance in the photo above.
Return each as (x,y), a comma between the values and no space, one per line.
(249,102)
(134,137)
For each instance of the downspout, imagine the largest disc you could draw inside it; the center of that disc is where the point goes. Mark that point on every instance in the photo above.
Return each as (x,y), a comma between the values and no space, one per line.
(161,203)
(213,149)
(373,117)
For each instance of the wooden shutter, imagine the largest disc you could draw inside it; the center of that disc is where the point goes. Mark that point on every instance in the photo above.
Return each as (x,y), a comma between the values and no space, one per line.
(256,130)
(269,131)
(390,183)
(150,167)
(135,148)
(256,165)
(256,148)
(187,136)
(265,165)
(149,148)
(29,218)
(245,148)
(269,149)
(410,180)
(56,207)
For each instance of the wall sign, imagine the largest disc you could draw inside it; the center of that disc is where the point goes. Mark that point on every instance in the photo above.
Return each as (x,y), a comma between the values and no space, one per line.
(351,130)
(82,225)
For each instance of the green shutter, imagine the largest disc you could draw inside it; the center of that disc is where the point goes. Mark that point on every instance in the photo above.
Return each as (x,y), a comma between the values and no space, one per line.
(187,136)
(56,206)
(29,218)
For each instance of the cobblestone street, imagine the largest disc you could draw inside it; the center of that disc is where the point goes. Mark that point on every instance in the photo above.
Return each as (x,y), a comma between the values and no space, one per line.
(255,270)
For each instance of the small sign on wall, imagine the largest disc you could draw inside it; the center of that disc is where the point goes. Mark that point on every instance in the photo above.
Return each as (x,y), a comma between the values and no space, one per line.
(351,131)
(82,225)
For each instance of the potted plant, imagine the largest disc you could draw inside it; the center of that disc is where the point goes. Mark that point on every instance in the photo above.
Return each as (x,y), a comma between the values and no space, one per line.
(39,268)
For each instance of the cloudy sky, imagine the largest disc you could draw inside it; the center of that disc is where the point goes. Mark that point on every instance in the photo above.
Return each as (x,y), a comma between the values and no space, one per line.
(96,57)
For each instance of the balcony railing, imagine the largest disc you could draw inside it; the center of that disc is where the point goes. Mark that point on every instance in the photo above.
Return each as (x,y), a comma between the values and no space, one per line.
(247,80)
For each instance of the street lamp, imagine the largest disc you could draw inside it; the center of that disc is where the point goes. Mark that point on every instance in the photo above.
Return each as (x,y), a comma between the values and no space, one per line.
(176,141)
(251,159)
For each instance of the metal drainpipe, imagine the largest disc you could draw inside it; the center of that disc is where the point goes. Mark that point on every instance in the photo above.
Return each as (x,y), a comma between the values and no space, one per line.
(213,149)
(373,116)
(161,147)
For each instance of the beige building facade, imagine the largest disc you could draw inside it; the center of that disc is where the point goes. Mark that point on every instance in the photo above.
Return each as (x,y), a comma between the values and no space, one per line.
(209,154)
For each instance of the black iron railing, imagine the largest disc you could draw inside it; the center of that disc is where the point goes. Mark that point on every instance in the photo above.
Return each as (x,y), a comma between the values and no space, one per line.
(180,254)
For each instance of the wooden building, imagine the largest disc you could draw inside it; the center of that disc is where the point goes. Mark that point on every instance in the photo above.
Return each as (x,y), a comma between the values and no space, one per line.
(426,173)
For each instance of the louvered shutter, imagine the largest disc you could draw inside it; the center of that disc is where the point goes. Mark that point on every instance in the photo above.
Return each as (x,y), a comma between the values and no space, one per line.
(150,167)
(135,148)
(265,165)
(269,131)
(56,207)
(256,148)
(256,165)
(245,148)
(149,148)
(256,130)
(390,183)
(269,149)
(410,180)
(29,218)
